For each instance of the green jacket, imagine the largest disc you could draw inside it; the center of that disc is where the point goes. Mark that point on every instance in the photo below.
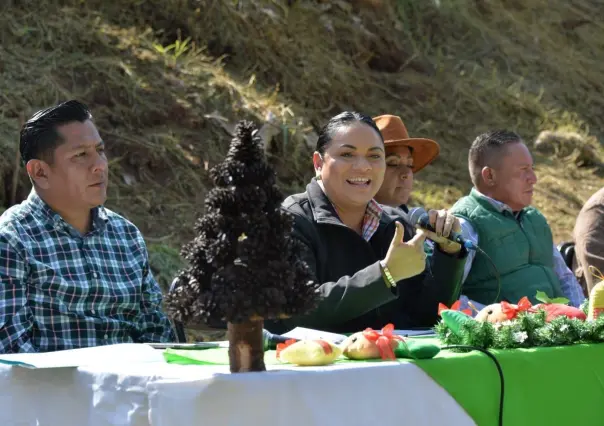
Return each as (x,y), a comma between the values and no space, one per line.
(520,247)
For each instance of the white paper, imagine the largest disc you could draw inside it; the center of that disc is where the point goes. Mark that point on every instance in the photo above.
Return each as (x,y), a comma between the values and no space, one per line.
(302,333)
(411,333)
(109,354)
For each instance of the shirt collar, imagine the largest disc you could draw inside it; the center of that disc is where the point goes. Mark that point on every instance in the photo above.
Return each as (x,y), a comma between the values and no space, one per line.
(99,214)
(498,205)
(373,207)
(325,211)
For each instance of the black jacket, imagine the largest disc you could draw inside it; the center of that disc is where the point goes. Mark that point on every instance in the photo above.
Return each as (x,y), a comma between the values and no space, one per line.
(353,293)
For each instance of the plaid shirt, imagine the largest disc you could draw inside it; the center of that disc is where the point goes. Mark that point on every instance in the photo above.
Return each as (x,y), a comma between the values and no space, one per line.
(371,221)
(61,290)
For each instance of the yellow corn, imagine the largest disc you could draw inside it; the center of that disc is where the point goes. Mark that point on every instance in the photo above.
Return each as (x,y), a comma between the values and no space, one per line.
(596,302)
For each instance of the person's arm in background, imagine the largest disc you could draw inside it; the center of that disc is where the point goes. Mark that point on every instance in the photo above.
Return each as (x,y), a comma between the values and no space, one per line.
(469,234)
(16,319)
(568,282)
(589,241)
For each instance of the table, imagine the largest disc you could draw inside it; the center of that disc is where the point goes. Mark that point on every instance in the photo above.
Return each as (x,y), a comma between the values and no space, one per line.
(160,394)
(543,386)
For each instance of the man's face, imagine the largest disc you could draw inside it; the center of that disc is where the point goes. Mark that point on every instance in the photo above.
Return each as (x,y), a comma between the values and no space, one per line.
(513,178)
(398,178)
(77,177)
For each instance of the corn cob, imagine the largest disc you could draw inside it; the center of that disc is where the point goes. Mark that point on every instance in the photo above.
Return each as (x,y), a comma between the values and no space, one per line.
(596,297)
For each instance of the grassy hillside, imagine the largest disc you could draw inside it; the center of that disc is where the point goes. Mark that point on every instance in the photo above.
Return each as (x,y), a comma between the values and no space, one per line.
(167,80)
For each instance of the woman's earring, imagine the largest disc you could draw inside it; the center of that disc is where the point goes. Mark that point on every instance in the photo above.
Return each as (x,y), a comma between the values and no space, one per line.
(318,175)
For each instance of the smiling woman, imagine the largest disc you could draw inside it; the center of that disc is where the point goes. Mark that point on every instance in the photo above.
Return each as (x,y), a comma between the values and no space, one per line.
(366,257)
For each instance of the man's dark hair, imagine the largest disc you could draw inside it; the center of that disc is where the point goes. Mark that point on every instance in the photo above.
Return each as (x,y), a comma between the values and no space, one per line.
(39,135)
(487,149)
(343,119)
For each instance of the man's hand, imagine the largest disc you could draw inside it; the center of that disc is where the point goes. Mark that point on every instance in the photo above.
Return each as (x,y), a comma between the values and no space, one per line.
(444,222)
(406,259)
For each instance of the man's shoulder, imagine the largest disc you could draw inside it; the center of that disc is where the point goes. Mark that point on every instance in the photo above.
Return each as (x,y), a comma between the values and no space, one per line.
(535,214)
(465,207)
(16,220)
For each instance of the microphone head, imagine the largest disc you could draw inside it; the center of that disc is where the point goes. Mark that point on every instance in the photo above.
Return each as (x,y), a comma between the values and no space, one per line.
(416,214)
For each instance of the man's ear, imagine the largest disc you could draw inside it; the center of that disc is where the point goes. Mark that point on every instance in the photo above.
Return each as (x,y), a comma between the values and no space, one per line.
(488,176)
(38,172)
(317,161)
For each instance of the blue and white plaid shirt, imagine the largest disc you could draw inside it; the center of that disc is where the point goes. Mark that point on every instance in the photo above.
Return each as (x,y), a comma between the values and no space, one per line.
(63,290)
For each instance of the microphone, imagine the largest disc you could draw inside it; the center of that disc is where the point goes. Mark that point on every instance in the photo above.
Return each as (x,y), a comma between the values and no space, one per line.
(419,218)
(271,340)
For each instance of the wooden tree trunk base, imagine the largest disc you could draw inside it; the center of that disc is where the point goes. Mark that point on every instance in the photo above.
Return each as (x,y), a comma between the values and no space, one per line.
(246,346)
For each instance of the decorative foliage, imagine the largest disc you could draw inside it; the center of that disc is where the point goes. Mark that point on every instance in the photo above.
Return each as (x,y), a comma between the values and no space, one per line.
(529,329)
(243,263)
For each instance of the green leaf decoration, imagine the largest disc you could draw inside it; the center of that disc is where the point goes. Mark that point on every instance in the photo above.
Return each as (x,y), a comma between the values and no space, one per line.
(544,298)
(416,349)
(528,330)
(455,320)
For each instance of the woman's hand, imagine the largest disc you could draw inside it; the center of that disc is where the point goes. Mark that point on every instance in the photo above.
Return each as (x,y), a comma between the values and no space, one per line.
(406,259)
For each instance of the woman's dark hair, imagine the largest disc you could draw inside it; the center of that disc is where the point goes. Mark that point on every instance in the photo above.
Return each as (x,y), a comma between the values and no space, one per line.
(343,119)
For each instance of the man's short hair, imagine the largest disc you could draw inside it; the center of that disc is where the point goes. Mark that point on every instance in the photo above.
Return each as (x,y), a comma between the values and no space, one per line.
(39,136)
(487,149)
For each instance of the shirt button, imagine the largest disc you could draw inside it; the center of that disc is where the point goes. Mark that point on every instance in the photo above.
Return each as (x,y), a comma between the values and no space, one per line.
(105,337)
(94,274)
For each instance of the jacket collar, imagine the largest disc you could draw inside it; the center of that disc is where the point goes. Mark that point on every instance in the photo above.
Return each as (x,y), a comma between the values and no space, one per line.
(321,207)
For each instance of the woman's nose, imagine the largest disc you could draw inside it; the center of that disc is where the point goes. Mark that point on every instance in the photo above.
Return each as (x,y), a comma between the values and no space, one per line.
(362,163)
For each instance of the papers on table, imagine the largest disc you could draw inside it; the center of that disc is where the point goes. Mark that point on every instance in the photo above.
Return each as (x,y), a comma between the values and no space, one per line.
(302,333)
(109,354)
(413,333)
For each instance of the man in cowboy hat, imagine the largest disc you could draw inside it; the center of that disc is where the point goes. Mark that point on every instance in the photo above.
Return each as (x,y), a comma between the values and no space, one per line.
(404,157)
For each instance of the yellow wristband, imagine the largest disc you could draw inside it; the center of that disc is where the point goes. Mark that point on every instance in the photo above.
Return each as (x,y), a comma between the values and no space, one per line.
(387,274)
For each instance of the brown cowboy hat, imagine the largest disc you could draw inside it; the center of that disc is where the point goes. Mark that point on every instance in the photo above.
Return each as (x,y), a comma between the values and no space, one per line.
(395,133)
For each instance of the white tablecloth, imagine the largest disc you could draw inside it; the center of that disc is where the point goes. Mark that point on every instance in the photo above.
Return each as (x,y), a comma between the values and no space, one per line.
(161,394)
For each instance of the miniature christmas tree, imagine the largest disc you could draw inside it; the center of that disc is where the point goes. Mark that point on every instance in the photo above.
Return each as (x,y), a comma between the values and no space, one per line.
(242,265)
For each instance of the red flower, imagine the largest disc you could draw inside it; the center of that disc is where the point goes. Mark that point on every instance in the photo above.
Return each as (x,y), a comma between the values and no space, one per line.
(512,311)
(454,307)
(383,340)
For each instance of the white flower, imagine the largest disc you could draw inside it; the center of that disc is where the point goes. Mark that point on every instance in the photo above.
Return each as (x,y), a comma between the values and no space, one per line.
(520,336)
(564,327)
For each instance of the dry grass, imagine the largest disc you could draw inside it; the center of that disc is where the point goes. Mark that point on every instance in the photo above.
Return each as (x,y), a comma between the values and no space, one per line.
(168,78)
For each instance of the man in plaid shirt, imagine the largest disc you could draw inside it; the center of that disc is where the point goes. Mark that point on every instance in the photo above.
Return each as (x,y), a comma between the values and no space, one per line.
(72,273)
